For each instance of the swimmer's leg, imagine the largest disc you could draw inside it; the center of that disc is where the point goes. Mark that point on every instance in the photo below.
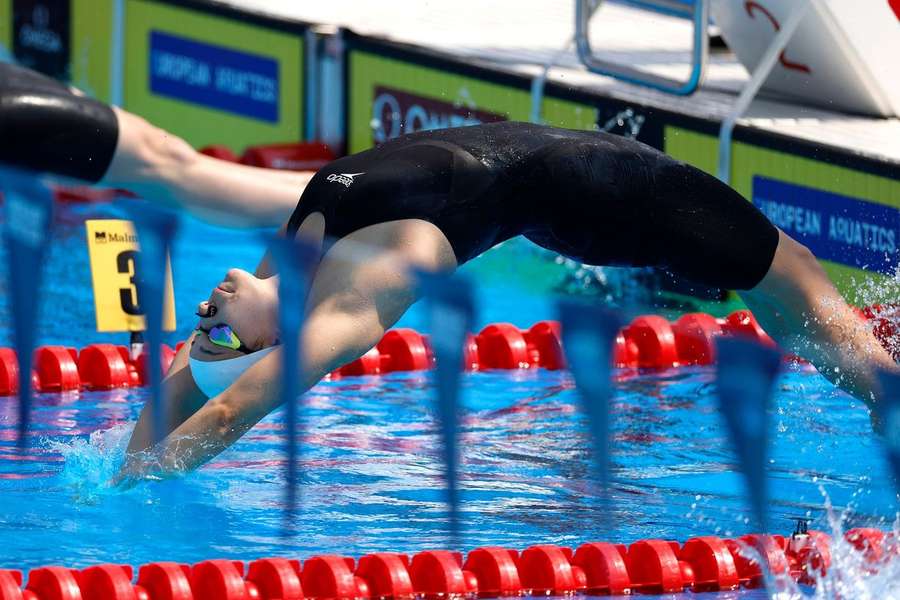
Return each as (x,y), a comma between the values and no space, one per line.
(163,167)
(798,305)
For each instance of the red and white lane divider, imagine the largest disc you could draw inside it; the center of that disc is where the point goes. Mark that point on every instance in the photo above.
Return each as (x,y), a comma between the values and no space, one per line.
(648,342)
(701,564)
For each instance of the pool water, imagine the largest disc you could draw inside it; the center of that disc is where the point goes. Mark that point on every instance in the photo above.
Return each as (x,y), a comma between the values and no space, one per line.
(370,469)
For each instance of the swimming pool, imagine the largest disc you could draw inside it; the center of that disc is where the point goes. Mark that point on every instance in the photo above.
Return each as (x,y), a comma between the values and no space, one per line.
(371,470)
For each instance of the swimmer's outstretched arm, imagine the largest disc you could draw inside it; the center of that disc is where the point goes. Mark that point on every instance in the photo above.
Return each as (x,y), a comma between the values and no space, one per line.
(332,336)
(351,304)
(180,399)
(181,396)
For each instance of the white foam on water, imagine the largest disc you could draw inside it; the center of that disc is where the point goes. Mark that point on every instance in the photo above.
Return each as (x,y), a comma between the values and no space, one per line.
(91,464)
(852,574)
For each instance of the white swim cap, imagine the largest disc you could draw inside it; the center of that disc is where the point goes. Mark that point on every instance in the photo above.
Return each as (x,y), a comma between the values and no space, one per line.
(214,377)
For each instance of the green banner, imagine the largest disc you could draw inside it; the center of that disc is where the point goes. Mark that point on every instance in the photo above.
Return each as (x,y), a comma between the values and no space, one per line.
(5,29)
(214,78)
(388,97)
(92,34)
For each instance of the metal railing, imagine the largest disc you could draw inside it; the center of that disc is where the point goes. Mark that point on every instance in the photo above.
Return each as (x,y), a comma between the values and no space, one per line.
(698,12)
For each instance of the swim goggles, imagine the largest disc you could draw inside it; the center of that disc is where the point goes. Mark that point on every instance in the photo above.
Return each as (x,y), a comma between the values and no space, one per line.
(222,335)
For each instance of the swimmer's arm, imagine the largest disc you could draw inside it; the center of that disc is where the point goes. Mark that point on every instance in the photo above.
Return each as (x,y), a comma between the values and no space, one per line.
(181,398)
(328,341)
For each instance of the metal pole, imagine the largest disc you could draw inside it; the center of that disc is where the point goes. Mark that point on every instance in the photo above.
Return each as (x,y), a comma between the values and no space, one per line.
(753,86)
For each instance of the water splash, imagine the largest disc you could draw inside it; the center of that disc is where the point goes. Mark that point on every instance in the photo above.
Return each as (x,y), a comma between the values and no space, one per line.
(91,464)
(871,573)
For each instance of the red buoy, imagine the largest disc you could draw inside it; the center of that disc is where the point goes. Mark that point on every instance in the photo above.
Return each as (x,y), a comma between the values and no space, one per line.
(546,339)
(502,346)
(166,580)
(655,341)
(605,568)
(495,570)
(9,372)
(405,350)
(102,367)
(56,368)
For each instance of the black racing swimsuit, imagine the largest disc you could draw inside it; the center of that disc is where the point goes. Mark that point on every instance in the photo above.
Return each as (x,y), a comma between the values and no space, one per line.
(594,197)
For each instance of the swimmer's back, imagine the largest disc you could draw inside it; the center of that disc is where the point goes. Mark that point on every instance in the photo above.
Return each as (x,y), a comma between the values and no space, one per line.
(480,185)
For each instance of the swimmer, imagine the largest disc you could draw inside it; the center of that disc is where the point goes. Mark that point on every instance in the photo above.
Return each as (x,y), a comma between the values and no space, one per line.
(48,127)
(435,200)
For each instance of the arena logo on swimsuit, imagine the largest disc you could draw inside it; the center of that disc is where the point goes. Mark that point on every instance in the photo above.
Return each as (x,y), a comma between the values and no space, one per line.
(215,76)
(838,228)
(395,112)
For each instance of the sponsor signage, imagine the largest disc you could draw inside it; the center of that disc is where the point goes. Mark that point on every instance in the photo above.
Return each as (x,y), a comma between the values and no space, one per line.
(215,76)
(393,91)
(41,36)
(112,250)
(835,227)
(395,112)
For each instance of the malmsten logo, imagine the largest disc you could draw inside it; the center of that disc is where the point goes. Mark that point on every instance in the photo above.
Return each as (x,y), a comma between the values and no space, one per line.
(345,178)
(101,237)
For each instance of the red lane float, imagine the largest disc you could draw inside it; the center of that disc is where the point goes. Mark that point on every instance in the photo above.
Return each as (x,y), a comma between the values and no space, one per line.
(105,366)
(310,156)
(648,342)
(655,342)
(57,368)
(9,372)
(503,346)
(546,570)
(605,569)
(166,581)
(405,350)
(712,564)
(83,193)
(742,322)
(885,319)
(544,341)
(220,152)
(695,335)
(702,564)
(439,574)
(494,571)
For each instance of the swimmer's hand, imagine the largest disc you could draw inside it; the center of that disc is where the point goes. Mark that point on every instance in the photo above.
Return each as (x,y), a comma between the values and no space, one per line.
(133,471)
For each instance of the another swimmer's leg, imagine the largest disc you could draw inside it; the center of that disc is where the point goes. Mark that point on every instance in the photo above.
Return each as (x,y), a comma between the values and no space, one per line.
(163,167)
(798,305)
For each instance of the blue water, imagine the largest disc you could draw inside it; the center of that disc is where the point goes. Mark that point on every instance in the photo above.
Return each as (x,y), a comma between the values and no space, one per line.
(370,470)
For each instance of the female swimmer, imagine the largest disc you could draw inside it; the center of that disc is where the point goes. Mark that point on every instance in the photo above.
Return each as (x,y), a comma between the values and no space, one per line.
(438,199)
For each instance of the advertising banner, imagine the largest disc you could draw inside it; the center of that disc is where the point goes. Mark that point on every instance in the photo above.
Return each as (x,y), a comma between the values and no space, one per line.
(835,227)
(42,36)
(214,76)
(389,96)
(69,40)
